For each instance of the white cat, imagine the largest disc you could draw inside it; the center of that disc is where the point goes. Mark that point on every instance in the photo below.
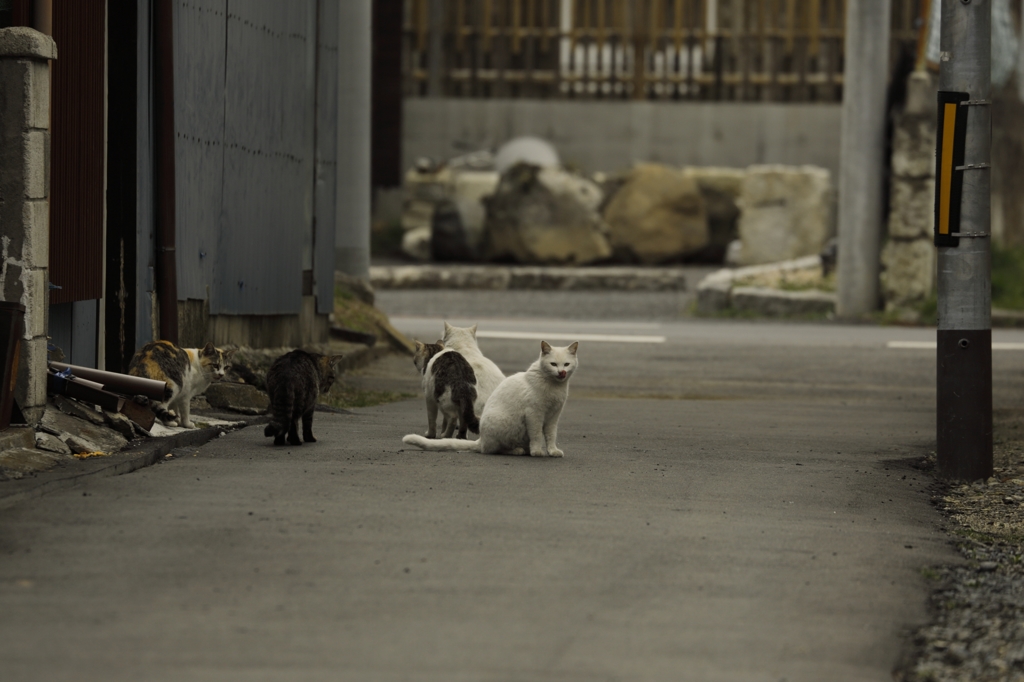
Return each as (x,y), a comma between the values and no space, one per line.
(521,416)
(488,376)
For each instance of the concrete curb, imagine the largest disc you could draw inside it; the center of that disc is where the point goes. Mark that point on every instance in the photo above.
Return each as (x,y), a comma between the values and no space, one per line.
(506,277)
(145,454)
(717,293)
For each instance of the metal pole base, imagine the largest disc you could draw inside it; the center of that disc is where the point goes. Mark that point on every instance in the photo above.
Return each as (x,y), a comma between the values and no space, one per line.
(964,404)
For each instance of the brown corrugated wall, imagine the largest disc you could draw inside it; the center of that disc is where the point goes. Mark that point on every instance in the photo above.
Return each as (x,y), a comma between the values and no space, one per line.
(76,151)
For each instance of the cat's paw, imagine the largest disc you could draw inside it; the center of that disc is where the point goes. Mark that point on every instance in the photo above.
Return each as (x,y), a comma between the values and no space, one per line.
(540,452)
(294,439)
(555,452)
(279,440)
(517,451)
(187,425)
(308,437)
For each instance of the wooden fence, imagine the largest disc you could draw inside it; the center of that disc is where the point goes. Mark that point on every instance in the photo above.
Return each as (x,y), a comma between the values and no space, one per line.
(731,50)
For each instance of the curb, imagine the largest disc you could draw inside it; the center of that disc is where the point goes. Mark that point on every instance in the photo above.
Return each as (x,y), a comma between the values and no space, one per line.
(718,294)
(149,452)
(501,277)
(152,450)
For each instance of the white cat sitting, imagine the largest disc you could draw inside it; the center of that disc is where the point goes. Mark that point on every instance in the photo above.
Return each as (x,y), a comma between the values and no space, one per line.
(521,416)
(488,375)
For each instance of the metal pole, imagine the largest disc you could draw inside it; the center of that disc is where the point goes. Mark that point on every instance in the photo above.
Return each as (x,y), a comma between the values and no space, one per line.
(862,155)
(964,299)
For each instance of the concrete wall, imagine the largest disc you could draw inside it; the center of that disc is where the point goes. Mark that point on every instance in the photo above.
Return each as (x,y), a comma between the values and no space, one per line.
(609,136)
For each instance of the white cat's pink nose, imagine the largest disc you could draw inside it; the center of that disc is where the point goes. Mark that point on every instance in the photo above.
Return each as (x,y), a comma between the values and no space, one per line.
(561,374)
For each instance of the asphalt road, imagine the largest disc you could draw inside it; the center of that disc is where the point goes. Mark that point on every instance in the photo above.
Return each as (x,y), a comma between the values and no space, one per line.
(737,502)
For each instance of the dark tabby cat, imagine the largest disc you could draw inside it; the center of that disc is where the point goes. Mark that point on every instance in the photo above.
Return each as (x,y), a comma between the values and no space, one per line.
(293,383)
(449,384)
(188,372)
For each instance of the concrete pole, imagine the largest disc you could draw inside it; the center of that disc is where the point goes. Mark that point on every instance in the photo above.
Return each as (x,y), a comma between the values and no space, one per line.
(355,43)
(964,414)
(862,154)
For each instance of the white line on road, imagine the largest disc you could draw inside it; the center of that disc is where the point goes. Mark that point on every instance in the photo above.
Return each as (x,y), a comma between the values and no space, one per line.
(931,345)
(544,336)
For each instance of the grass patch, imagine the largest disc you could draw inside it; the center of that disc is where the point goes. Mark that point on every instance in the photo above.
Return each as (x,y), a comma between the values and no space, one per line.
(344,397)
(1007,277)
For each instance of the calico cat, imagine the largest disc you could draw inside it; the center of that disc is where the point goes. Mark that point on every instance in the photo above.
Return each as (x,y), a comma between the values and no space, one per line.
(188,372)
(521,416)
(449,384)
(488,376)
(293,383)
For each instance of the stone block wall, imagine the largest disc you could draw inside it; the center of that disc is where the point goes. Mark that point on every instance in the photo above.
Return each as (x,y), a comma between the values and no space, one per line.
(24,199)
(908,257)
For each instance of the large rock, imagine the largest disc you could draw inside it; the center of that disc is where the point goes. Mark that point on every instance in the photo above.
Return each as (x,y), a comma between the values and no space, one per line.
(657,215)
(786,213)
(908,272)
(237,397)
(911,207)
(545,216)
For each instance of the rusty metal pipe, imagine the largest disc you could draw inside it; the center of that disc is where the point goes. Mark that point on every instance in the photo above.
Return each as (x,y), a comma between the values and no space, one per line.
(125,384)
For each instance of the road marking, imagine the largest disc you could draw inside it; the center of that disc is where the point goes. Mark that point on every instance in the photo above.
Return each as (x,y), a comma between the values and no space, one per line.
(544,336)
(931,345)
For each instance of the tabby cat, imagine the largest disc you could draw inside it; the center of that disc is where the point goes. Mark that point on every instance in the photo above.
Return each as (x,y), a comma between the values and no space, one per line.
(293,383)
(188,372)
(449,385)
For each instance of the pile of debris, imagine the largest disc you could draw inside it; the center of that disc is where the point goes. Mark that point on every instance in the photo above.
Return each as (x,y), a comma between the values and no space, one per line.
(90,413)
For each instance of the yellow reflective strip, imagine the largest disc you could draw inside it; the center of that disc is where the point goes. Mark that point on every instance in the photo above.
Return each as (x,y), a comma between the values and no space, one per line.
(946,169)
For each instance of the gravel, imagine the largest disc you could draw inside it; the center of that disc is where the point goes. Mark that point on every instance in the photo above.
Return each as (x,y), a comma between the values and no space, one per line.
(977,608)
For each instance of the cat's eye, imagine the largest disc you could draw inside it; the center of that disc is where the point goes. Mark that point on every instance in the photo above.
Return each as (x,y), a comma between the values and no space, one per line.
(554,364)
(567,364)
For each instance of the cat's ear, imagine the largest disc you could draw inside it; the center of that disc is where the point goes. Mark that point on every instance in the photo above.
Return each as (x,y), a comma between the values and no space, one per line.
(419,346)
(545,347)
(446,327)
(573,346)
(472,330)
(440,342)
(209,349)
(334,361)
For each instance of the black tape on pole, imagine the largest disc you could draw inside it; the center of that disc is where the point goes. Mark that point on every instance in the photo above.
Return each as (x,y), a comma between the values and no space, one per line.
(951,138)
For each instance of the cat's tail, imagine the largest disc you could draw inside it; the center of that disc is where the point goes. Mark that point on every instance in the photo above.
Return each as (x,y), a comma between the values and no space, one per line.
(469,417)
(438,444)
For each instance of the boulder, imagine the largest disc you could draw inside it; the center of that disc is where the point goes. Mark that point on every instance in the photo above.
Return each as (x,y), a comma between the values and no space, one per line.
(657,215)
(908,272)
(530,150)
(468,189)
(449,242)
(911,207)
(416,243)
(237,397)
(786,212)
(545,216)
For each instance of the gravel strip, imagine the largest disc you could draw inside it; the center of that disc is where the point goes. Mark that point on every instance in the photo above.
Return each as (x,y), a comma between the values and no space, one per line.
(977,608)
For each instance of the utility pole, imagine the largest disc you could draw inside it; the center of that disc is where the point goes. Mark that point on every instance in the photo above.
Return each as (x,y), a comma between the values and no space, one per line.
(862,154)
(963,235)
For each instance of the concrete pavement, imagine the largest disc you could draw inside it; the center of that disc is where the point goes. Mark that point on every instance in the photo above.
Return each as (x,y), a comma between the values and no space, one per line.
(738,502)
